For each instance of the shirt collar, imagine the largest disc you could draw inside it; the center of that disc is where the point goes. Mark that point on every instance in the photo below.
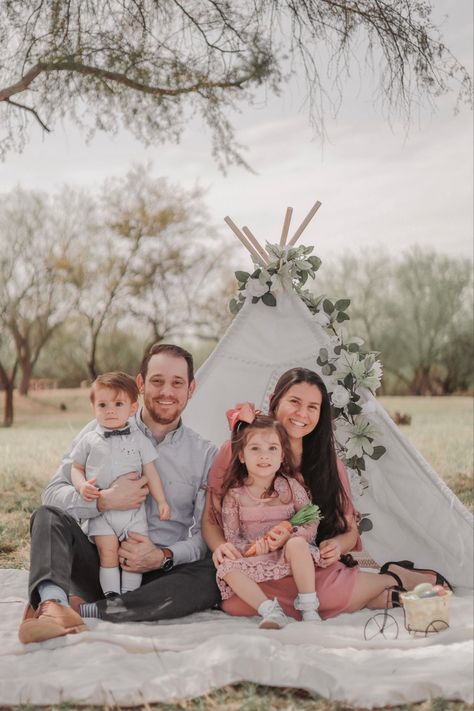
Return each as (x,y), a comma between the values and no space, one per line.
(172,437)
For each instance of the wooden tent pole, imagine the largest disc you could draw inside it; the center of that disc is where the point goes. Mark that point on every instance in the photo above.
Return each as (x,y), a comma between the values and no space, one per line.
(286,226)
(256,244)
(305,222)
(256,257)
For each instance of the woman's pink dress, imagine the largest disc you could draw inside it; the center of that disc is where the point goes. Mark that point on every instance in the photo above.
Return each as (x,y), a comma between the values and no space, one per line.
(334,585)
(246,518)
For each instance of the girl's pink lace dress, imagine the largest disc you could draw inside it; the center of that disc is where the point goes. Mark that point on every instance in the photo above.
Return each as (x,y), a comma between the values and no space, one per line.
(246,518)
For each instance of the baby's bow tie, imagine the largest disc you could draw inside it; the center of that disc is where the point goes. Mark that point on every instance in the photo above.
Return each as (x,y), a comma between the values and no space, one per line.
(113,433)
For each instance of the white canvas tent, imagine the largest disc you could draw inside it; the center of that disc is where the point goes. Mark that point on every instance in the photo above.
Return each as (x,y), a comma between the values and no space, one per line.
(414,514)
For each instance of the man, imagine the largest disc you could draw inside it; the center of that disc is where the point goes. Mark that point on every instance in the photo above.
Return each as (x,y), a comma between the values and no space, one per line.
(177,578)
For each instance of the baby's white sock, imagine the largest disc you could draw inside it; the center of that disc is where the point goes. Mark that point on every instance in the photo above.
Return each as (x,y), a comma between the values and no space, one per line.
(109,580)
(130,581)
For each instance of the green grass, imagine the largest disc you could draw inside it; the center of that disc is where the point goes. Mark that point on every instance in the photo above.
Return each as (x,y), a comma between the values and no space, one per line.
(441,428)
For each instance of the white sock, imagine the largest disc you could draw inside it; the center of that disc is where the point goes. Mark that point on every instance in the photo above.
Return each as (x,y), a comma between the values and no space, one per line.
(50,591)
(309,599)
(109,579)
(130,581)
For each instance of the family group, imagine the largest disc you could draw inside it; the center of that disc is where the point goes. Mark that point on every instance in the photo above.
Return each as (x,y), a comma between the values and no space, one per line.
(145,520)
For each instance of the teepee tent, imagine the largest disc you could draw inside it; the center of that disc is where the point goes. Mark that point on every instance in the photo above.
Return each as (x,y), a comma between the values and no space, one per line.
(414,514)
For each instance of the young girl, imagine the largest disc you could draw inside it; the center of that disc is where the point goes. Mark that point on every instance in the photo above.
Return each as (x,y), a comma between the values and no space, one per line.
(260,492)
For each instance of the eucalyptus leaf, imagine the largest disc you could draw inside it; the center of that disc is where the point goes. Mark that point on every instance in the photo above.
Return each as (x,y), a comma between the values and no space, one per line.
(326,370)
(360,465)
(341,316)
(342,304)
(353,348)
(348,381)
(269,299)
(353,408)
(328,306)
(378,452)
(323,354)
(255,299)
(242,276)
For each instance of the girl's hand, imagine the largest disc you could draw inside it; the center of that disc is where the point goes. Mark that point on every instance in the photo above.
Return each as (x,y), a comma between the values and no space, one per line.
(277,537)
(165,511)
(262,546)
(225,550)
(330,551)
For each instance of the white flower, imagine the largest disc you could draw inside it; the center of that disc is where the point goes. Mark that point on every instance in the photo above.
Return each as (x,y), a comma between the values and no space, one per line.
(359,435)
(372,378)
(322,318)
(340,396)
(255,288)
(350,363)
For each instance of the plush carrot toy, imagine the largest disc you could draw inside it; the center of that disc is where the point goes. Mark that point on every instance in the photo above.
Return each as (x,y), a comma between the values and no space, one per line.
(307,514)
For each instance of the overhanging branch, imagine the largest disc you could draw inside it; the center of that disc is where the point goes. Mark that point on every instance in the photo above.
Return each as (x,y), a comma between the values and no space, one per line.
(31,110)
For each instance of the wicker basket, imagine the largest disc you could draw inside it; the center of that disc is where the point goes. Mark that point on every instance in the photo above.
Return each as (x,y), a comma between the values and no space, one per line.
(428,614)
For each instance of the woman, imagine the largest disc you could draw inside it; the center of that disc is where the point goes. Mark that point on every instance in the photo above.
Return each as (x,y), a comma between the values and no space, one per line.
(301,404)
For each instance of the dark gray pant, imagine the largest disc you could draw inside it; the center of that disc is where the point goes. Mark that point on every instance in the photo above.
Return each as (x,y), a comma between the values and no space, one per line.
(62,553)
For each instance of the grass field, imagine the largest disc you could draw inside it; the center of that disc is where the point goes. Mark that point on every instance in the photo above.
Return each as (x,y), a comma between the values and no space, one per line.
(45,423)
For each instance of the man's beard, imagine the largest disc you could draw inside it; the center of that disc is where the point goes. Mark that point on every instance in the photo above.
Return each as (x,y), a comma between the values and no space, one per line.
(159,419)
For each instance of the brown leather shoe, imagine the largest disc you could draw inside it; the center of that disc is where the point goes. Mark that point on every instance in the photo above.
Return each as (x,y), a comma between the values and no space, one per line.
(49,621)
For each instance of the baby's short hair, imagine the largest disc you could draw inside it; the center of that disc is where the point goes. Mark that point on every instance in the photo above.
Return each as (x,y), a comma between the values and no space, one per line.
(118,381)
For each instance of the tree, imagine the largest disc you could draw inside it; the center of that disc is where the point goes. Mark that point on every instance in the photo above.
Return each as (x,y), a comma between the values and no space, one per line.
(34,299)
(149,65)
(431,303)
(34,231)
(415,310)
(153,256)
(180,262)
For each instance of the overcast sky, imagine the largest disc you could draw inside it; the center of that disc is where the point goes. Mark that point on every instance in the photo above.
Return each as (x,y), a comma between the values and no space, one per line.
(379,184)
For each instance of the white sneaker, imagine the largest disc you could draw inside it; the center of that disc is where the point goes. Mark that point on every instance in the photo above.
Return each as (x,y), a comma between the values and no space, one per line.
(273,616)
(308,608)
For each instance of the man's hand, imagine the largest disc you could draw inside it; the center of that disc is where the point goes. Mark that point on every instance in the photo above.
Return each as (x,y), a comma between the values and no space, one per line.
(225,550)
(88,491)
(138,554)
(127,492)
(330,552)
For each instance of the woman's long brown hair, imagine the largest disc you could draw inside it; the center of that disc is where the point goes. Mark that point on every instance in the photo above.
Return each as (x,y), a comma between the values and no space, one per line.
(318,464)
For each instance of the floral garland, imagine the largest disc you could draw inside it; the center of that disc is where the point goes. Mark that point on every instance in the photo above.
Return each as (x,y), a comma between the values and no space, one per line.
(346,366)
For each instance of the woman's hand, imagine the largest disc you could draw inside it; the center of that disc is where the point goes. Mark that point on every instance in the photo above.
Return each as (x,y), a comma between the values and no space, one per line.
(277,537)
(330,551)
(225,550)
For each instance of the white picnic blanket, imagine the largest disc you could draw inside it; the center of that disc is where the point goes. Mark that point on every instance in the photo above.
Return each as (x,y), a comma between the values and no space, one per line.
(132,664)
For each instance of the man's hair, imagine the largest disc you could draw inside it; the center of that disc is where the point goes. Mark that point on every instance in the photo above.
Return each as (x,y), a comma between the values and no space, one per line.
(169,349)
(118,381)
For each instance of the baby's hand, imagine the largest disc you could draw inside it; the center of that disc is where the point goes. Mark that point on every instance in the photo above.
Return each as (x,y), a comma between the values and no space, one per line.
(165,511)
(88,491)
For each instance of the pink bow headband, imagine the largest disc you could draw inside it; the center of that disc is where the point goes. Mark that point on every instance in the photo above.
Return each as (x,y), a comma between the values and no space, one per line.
(242,412)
